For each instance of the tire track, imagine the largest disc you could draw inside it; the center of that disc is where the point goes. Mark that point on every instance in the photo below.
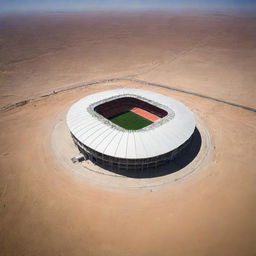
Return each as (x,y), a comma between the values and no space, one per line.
(126,78)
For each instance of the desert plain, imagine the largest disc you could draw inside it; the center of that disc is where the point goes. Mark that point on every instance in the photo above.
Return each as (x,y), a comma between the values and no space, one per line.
(205,59)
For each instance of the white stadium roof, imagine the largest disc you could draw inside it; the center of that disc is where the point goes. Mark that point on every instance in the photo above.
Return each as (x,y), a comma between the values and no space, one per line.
(99,135)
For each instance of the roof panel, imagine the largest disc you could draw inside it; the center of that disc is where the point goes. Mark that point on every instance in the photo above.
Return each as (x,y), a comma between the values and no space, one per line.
(131,149)
(111,148)
(122,146)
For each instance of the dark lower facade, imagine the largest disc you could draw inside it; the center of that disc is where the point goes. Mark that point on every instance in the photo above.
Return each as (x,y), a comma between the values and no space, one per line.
(118,164)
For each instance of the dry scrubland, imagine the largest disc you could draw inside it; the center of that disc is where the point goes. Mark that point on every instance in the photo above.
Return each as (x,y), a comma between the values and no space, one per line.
(46,210)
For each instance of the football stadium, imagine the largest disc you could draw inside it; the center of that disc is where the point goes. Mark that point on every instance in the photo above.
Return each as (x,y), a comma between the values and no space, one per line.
(130,129)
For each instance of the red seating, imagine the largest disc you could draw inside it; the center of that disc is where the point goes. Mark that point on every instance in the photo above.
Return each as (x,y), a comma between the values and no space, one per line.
(118,106)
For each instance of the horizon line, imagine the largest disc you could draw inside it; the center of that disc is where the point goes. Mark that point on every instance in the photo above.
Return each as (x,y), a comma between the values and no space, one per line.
(17,11)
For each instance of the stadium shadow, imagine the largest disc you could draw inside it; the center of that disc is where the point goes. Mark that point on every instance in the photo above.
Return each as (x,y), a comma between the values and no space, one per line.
(185,157)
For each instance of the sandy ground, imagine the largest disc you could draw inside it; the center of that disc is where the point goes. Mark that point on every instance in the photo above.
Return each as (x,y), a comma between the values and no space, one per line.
(45,209)
(203,52)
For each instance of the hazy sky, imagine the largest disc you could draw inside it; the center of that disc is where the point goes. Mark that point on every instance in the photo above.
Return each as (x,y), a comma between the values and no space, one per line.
(65,5)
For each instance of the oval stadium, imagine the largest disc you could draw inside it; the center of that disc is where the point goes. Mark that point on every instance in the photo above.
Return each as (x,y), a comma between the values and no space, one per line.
(130,129)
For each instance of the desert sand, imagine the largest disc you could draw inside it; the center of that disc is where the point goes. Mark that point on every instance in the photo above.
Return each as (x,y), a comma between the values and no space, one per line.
(47,209)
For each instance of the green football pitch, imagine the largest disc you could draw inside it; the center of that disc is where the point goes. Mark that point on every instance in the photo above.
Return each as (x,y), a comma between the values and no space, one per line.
(130,121)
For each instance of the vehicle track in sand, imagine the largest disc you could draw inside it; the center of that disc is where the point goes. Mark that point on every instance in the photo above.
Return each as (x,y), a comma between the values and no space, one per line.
(125,78)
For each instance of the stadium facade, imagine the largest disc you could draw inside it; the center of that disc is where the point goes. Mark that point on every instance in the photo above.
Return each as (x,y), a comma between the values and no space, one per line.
(130,129)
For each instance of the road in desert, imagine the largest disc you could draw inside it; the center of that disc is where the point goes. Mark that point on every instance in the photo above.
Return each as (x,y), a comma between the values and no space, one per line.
(50,206)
